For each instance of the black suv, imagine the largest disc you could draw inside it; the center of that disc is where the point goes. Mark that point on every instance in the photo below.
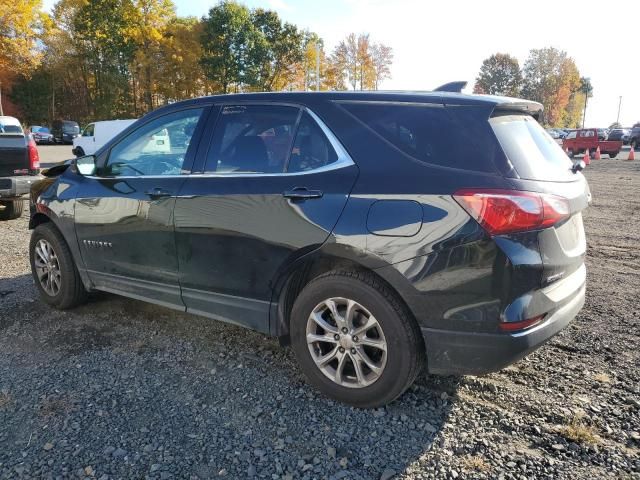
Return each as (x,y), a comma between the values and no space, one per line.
(64,131)
(372,231)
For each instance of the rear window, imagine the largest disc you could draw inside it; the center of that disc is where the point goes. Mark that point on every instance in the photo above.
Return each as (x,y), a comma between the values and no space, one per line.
(10,129)
(449,137)
(531,150)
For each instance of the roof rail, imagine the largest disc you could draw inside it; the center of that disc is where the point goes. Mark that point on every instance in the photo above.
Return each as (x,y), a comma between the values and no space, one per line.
(452,87)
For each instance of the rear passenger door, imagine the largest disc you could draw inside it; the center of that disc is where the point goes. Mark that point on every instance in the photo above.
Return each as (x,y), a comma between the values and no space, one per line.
(273,184)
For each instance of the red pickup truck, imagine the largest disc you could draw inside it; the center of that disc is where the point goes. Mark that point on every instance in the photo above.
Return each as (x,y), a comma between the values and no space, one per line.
(579,141)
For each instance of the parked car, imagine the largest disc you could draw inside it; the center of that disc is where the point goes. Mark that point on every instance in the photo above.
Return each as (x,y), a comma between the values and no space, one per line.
(634,137)
(64,131)
(588,139)
(619,134)
(603,133)
(96,134)
(19,167)
(41,134)
(364,229)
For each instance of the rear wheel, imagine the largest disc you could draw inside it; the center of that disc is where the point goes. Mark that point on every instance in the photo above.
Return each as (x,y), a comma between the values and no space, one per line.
(354,339)
(613,155)
(12,209)
(53,269)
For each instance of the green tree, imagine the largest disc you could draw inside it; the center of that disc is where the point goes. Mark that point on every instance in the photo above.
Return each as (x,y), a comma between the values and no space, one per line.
(499,75)
(33,94)
(587,90)
(230,45)
(279,46)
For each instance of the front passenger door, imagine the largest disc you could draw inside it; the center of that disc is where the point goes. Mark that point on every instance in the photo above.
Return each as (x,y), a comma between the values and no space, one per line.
(124,213)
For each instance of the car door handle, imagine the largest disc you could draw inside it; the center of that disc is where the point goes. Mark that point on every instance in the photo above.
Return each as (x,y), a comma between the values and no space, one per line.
(157,193)
(302,193)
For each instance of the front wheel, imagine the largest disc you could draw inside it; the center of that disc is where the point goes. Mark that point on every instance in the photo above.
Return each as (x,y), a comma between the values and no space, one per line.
(53,268)
(355,340)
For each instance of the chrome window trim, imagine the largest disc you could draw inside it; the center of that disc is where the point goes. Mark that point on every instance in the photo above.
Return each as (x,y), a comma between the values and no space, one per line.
(344,160)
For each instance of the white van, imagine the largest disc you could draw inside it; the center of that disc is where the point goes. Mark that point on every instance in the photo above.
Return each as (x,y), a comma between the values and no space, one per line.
(96,134)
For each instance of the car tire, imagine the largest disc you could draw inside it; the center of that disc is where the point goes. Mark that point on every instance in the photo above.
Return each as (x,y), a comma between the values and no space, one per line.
(613,155)
(78,152)
(53,268)
(570,153)
(389,354)
(12,209)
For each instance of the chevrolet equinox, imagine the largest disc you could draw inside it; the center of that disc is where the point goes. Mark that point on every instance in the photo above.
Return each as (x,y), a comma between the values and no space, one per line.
(376,232)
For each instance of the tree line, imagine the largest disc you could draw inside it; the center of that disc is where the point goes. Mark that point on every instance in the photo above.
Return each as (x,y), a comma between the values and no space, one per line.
(102,59)
(548,76)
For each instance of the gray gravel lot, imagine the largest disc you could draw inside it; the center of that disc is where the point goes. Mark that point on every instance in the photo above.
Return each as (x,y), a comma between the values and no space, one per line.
(121,389)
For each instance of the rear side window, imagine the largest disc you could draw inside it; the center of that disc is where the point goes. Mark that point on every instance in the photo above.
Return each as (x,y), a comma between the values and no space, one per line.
(455,137)
(311,148)
(533,153)
(252,139)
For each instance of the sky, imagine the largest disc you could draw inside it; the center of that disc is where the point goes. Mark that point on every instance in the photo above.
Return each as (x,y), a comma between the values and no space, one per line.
(435,42)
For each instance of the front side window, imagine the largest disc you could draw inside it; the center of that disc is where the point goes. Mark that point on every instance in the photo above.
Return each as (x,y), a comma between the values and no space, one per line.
(571,135)
(252,139)
(159,147)
(88,130)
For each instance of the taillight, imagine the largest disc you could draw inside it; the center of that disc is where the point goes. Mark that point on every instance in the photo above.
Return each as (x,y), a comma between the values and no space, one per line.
(34,156)
(522,325)
(510,211)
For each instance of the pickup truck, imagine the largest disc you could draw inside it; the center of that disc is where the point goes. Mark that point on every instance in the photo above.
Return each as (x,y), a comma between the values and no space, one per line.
(19,167)
(586,139)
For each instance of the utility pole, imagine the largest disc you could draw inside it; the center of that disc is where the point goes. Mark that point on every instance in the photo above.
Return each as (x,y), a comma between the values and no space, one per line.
(619,105)
(317,67)
(1,112)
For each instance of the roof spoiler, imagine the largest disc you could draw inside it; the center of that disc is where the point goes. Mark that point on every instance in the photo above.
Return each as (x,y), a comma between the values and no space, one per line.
(534,109)
(455,87)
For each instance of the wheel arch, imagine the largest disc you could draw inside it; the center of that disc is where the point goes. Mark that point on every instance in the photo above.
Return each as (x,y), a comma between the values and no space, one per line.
(291,280)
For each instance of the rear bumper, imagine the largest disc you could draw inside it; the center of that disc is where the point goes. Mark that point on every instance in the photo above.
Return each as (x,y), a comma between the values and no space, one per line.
(11,187)
(469,353)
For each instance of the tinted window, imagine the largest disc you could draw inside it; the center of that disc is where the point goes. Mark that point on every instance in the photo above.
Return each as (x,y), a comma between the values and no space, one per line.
(150,150)
(252,139)
(456,137)
(533,153)
(311,148)
(70,127)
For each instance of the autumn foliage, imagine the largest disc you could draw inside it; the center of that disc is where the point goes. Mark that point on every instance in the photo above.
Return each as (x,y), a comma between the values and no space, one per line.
(549,76)
(102,59)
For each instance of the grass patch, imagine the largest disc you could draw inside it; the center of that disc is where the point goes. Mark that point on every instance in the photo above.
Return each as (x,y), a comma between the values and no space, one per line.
(602,378)
(578,431)
(5,399)
(54,406)
(475,463)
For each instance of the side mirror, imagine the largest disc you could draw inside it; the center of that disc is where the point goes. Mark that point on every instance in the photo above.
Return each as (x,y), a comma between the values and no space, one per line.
(578,166)
(85,165)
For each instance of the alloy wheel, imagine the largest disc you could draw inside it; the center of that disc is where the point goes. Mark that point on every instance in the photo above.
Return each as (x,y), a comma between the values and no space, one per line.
(47,268)
(346,342)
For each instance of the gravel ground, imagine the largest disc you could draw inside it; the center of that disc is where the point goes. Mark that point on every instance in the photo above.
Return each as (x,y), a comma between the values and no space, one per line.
(121,389)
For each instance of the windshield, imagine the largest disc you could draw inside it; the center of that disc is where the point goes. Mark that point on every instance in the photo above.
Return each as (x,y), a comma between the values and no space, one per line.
(40,130)
(70,127)
(531,150)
